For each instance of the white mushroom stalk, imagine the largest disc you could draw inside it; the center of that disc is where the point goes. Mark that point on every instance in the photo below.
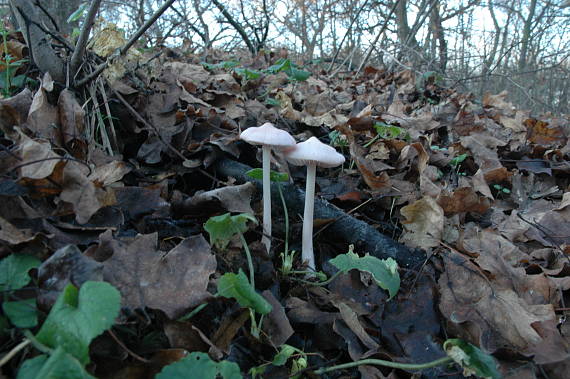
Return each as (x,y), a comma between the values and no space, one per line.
(268,136)
(312,153)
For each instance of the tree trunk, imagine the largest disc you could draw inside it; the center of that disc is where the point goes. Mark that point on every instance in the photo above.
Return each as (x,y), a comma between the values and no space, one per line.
(60,10)
(525,41)
(439,36)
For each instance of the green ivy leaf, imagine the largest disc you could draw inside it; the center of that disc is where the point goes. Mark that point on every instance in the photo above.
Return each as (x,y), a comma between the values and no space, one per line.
(387,131)
(297,74)
(237,286)
(14,271)
(282,64)
(384,271)
(22,313)
(222,228)
(458,160)
(247,73)
(471,359)
(78,316)
(274,176)
(200,366)
(59,365)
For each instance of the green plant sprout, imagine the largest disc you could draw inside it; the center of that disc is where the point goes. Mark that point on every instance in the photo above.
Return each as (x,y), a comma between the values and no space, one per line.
(469,357)
(456,162)
(293,71)
(222,229)
(387,131)
(338,139)
(501,189)
(10,66)
(287,257)
(383,271)
(77,317)
(286,352)
(201,366)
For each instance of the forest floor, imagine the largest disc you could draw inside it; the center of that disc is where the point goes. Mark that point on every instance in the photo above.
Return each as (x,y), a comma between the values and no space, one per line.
(115,183)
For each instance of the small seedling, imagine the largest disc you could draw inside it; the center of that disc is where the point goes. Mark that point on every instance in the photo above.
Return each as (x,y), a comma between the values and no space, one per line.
(469,357)
(286,352)
(222,229)
(338,139)
(10,65)
(387,131)
(200,366)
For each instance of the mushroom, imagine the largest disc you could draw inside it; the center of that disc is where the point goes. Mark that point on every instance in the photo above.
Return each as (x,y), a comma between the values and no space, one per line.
(312,153)
(268,136)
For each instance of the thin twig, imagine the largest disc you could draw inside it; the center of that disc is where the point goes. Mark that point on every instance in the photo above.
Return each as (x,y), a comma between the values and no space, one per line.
(130,352)
(348,30)
(84,36)
(50,159)
(123,50)
(148,125)
(382,30)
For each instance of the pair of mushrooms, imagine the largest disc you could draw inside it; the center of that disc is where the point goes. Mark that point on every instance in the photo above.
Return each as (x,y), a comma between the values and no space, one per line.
(311,153)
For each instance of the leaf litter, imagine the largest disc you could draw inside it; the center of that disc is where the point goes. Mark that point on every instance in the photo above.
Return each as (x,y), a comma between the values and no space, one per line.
(481,187)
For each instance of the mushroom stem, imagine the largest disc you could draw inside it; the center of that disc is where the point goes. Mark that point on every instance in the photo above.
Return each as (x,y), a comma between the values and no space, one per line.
(266,239)
(308,254)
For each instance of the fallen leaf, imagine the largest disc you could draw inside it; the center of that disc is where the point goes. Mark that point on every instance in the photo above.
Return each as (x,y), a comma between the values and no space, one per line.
(276,324)
(171,281)
(80,192)
(502,319)
(423,226)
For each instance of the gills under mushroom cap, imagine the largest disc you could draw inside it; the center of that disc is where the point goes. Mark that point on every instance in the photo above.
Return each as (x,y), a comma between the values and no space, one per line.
(314,151)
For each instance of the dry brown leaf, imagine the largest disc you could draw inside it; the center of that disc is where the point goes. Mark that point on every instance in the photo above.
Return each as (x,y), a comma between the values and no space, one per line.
(501,318)
(423,226)
(276,325)
(232,198)
(13,235)
(463,200)
(14,110)
(109,173)
(43,118)
(172,281)
(70,116)
(79,191)
(37,158)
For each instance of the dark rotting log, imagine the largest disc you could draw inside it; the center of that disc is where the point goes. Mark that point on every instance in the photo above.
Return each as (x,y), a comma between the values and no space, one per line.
(345,226)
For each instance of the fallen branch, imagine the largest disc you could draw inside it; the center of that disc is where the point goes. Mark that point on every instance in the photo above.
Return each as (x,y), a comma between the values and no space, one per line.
(352,230)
